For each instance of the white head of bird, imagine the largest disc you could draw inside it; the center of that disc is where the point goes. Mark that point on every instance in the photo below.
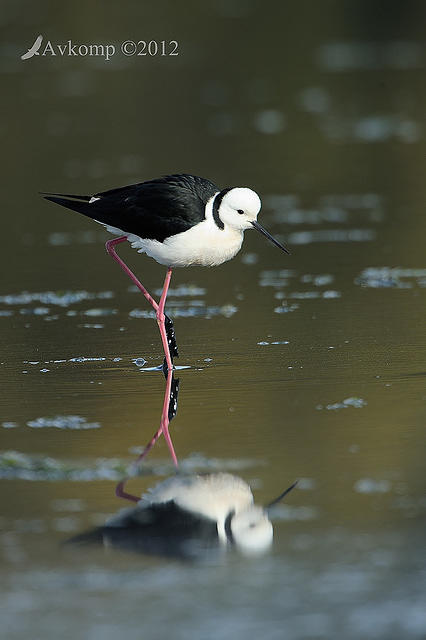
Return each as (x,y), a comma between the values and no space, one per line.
(252,530)
(240,206)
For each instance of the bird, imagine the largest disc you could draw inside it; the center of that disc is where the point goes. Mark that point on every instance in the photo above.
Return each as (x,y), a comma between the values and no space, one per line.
(179,220)
(188,516)
(33,51)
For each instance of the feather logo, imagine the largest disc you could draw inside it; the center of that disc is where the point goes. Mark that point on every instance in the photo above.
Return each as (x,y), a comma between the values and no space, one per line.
(33,51)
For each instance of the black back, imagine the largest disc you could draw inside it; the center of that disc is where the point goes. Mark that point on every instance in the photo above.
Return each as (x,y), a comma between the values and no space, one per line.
(163,529)
(155,209)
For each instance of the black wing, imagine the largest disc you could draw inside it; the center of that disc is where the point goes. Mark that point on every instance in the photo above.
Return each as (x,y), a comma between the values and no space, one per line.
(163,529)
(155,209)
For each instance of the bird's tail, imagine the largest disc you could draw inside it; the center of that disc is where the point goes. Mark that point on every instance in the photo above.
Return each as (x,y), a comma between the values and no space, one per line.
(81,204)
(90,206)
(100,207)
(94,536)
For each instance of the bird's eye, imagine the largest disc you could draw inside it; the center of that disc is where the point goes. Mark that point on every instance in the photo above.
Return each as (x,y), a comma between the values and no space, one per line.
(240,211)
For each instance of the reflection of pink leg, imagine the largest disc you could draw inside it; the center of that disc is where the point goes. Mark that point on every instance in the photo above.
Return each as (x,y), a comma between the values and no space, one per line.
(163,429)
(161,319)
(164,425)
(165,417)
(120,493)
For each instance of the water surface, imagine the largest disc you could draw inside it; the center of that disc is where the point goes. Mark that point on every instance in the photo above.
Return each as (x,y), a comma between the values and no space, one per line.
(309,366)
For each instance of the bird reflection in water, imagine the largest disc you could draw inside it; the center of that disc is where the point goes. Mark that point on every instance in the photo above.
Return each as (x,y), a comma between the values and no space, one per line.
(187,515)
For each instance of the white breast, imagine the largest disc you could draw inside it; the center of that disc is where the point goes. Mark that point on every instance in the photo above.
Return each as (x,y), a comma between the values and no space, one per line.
(205,245)
(213,495)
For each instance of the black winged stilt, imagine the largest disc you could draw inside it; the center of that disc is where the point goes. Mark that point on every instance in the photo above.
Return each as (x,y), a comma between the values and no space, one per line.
(179,220)
(189,515)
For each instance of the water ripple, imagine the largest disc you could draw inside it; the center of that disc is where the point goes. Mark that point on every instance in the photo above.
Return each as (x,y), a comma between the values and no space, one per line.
(356,403)
(59,298)
(63,422)
(391,277)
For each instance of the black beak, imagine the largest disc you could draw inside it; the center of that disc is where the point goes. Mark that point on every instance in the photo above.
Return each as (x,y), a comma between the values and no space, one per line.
(280,497)
(263,231)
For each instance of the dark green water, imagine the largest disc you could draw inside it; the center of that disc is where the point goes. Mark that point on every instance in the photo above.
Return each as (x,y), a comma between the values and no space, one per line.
(320,108)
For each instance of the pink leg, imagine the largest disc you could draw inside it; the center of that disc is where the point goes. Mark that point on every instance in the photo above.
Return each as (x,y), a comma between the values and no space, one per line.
(161,319)
(110,248)
(158,308)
